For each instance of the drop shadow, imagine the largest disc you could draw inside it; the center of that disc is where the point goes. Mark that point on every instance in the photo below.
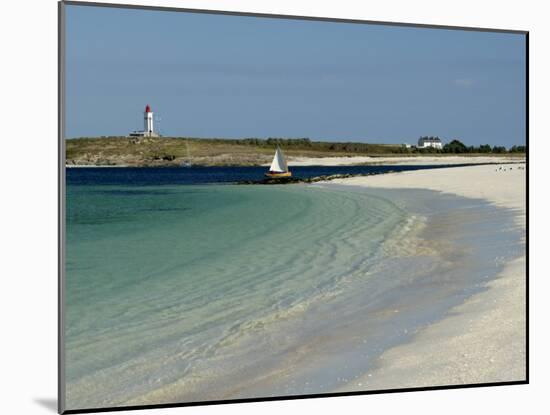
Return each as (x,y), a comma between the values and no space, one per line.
(48,403)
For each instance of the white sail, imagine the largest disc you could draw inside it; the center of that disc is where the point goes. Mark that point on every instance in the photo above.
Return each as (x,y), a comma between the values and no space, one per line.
(278,165)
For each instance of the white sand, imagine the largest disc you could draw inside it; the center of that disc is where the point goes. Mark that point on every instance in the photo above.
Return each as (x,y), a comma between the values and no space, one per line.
(483,339)
(415,160)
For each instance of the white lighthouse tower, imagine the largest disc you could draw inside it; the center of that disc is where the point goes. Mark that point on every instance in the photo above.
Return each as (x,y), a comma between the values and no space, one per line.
(148,121)
(148,129)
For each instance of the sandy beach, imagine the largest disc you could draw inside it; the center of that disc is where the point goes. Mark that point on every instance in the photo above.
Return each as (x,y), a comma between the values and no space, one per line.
(416,160)
(483,339)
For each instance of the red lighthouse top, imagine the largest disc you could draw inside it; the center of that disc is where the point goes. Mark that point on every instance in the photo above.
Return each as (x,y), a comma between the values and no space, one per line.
(147,108)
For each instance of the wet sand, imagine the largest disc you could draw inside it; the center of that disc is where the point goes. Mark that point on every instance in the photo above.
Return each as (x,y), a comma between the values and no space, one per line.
(483,339)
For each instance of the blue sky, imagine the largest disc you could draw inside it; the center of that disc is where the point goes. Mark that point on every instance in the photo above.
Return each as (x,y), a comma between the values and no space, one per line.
(236,76)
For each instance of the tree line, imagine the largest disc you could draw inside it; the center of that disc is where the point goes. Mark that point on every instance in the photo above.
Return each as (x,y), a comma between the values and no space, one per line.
(454,147)
(457,147)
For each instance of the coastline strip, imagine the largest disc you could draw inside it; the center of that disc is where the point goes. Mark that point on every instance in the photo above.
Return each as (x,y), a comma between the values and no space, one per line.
(482,340)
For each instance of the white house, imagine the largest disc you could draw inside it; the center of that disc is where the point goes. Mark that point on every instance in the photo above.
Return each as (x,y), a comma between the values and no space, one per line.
(425,142)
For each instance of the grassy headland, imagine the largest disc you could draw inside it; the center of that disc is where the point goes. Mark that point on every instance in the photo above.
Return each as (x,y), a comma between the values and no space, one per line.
(173,151)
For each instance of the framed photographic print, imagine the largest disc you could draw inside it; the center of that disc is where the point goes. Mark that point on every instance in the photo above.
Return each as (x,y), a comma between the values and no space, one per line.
(258,207)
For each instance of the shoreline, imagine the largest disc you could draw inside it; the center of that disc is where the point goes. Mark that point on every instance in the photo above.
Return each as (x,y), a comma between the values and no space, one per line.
(294,161)
(403,160)
(482,340)
(378,308)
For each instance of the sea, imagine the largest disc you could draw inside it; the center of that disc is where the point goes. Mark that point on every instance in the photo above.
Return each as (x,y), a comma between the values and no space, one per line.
(183,286)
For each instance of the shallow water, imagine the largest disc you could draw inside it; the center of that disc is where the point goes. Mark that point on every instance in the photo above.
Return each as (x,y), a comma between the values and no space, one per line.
(185,293)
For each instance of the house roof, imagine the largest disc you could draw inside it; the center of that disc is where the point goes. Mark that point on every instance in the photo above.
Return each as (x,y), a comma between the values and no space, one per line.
(435,139)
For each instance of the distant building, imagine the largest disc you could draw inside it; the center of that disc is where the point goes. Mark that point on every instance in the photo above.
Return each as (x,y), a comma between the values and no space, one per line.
(425,142)
(148,130)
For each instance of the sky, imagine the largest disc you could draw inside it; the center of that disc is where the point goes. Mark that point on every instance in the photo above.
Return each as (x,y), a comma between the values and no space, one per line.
(238,76)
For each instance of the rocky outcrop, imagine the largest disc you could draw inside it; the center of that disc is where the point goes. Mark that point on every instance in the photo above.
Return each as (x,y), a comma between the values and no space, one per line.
(292,180)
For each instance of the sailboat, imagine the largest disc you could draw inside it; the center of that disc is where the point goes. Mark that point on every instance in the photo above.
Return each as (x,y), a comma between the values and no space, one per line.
(279,167)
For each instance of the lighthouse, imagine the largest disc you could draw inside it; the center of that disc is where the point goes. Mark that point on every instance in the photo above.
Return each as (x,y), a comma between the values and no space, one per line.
(148,121)
(148,129)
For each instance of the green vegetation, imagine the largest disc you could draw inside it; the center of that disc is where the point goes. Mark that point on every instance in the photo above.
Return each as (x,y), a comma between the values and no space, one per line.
(247,151)
(517,149)
(457,147)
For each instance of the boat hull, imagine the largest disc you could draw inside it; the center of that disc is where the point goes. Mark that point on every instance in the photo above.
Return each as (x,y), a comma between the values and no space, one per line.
(274,175)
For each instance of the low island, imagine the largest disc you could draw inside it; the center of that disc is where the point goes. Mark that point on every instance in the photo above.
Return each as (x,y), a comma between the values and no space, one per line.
(178,151)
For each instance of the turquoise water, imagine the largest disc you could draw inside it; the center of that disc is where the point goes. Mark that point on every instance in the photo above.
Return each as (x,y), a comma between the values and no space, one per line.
(181,293)
(170,287)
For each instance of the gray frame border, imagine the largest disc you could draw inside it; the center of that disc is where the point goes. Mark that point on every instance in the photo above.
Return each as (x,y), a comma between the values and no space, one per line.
(62,206)
(290,17)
